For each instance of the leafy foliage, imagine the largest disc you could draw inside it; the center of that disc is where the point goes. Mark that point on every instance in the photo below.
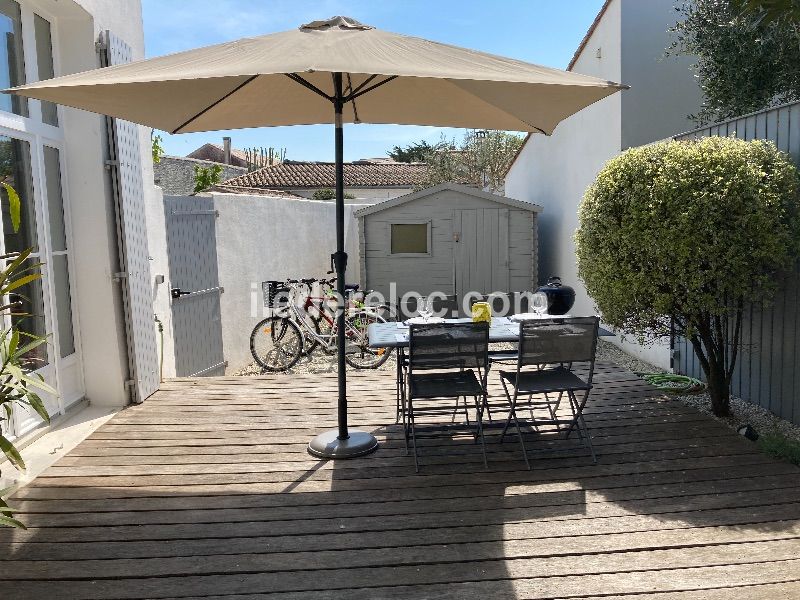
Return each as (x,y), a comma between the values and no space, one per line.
(157,148)
(766,11)
(205,177)
(414,152)
(748,53)
(19,386)
(329,194)
(481,160)
(687,232)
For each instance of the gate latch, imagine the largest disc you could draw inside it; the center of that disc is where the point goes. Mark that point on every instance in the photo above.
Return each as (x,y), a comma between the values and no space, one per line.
(177,293)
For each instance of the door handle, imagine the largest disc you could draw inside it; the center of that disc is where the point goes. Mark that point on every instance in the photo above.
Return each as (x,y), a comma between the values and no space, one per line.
(177,293)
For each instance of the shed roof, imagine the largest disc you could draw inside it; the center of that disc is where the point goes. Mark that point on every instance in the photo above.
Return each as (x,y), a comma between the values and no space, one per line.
(463,189)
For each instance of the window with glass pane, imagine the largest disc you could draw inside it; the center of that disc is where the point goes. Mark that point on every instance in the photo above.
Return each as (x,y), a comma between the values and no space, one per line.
(66,335)
(44,60)
(59,264)
(15,170)
(30,319)
(55,202)
(409,238)
(12,60)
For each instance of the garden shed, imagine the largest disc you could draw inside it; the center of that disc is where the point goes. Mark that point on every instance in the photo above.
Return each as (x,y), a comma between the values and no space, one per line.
(449,238)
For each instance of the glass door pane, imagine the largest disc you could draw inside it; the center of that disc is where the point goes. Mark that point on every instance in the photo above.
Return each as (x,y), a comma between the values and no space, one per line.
(12,61)
(59,261)
(44,60)
(15,170)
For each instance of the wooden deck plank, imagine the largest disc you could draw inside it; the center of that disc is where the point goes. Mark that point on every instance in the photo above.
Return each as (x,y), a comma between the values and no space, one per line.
(206,491)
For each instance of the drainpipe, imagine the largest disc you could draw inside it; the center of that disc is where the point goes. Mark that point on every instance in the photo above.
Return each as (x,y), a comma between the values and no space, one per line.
(226,148)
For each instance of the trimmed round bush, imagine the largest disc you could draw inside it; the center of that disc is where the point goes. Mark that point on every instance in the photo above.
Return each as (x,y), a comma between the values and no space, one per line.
(686,232)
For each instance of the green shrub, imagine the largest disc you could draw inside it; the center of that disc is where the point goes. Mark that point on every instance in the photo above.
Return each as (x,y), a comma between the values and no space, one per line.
(780,446)
(687,232)
(329,194)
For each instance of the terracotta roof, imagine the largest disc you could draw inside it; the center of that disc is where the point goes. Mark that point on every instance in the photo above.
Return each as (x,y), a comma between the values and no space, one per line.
(297,174)
(216,153)
(224,188)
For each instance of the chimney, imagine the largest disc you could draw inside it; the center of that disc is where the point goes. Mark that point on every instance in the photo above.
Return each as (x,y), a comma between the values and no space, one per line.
(226,148)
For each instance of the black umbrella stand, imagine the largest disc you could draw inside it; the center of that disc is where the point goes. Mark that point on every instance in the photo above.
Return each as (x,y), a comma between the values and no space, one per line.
(341,442)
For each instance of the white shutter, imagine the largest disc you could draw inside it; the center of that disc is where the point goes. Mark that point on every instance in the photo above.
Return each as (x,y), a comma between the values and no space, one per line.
(132,230)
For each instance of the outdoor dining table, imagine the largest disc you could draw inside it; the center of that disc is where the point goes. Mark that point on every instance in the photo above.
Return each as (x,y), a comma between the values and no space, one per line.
(395,334)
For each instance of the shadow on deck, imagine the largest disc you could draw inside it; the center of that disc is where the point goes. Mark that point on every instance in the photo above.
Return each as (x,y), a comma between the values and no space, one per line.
(206,490)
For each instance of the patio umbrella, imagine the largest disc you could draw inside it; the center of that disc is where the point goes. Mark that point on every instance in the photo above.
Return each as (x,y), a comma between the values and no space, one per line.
(336,70)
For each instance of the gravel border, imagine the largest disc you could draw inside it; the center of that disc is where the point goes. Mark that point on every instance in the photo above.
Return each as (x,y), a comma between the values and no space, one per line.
(742,412)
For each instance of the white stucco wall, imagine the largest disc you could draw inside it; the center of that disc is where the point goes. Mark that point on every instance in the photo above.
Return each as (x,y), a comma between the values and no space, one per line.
(100,316)
(664,90)
(261,238)
(554,172)
(159,265)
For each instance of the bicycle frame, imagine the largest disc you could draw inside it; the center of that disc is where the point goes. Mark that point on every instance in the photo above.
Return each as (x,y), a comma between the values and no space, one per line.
(301,315)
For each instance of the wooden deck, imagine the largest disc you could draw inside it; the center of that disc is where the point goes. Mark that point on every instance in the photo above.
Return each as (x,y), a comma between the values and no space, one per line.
(207,491)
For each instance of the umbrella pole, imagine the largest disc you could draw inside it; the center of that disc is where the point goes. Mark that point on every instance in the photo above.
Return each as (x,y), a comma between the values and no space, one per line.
(341,443)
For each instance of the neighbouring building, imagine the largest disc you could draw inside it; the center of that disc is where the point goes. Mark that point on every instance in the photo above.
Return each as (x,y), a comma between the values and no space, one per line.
(175,174)
(83,210)
(365,180)
(449,238)
(626,43)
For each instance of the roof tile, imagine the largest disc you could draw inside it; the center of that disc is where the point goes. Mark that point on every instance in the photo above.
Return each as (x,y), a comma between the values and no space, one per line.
(299,174)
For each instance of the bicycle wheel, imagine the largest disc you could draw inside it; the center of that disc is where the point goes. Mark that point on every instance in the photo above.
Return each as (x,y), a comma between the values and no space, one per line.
(358,354)
(276,343)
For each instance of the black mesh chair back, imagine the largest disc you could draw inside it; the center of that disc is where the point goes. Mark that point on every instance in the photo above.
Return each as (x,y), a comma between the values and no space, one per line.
(446,307)
(449,346)
(554,341)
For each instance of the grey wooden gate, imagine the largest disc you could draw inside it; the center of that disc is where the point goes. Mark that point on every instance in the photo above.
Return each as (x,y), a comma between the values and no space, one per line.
(194,285)
(481,251)
(768,370)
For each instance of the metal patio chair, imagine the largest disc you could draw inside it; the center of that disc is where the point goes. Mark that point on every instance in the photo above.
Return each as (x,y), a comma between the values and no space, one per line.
(446,307)
(442,363)
(549,350)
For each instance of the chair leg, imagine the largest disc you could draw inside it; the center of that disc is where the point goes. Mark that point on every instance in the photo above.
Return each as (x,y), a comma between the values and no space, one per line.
(413,434)
(479,424)
(399,385)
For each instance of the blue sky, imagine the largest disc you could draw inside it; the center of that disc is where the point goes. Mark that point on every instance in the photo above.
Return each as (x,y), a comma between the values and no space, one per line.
(546,32)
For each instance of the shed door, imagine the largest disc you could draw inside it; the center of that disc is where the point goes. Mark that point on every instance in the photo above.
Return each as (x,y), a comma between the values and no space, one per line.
(194,285)
(481,250)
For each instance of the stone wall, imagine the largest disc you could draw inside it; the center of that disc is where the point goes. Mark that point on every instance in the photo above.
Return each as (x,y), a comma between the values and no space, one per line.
(175,174)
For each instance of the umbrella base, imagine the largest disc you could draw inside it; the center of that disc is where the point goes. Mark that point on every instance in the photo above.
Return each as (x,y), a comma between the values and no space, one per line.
(328,445)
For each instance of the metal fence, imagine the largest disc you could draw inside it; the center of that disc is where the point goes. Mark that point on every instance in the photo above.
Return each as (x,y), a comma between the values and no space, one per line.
(769,361)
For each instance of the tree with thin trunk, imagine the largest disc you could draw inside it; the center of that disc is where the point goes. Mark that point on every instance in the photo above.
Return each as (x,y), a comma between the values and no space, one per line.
(680,236)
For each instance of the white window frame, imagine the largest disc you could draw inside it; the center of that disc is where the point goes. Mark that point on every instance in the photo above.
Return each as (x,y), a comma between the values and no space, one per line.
(38,134)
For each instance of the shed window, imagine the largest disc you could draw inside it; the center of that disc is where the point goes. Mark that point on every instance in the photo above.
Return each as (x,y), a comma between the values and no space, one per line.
(409,238)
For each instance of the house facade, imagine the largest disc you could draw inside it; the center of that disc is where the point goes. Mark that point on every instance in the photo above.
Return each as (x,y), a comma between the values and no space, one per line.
(57,160)
(366,181)
(626,43)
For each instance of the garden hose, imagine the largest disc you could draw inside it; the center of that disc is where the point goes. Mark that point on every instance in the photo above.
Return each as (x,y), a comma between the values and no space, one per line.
(674,384)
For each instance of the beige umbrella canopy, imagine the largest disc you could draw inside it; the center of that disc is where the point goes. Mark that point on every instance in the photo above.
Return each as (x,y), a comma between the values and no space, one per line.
(297,77)
(244,84)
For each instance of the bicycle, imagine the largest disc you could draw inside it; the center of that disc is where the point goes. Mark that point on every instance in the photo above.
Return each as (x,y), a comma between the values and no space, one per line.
(296,328)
